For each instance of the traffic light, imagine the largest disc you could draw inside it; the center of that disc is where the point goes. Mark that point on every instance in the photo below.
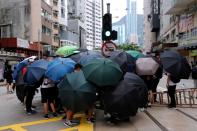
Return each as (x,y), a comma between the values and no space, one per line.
(107,27)
(107,33)
(114,35)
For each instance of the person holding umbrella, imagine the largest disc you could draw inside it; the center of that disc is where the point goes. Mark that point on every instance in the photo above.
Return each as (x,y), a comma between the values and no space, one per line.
(158,75)
(47,89)
(148,79)
(30,90)
(171,90)
(69,113)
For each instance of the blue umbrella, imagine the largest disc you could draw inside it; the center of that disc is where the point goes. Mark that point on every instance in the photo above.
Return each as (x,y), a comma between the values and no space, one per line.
(58,68)
(35,71)
(88,56)
(20,66)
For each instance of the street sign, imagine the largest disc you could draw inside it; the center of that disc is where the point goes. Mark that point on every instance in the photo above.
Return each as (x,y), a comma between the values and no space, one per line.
(108,47)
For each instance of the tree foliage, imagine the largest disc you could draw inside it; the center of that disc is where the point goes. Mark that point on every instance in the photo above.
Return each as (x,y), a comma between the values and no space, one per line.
(126,47)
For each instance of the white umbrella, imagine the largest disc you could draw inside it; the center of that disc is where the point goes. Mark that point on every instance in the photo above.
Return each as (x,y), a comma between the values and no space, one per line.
(146,66)
(31,59)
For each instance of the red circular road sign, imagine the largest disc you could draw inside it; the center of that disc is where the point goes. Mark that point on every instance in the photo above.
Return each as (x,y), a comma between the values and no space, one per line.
(108,47)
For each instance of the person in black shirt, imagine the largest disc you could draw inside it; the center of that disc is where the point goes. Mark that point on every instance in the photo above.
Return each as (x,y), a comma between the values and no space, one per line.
(9,79)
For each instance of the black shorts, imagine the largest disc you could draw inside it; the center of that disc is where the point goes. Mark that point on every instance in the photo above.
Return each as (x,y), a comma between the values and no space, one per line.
(9,81)
(48,95)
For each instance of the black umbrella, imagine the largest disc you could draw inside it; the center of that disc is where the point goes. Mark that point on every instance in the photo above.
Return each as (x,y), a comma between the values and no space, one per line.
(20,88)
(76,93)
(130,94)
(84,56)
(175,64)
(125,60)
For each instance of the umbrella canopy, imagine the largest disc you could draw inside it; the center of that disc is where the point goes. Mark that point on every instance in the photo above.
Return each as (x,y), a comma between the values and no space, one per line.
(20,93)
(76,93)
(146,66)
(103,72)
(135,54)
(35,71)
(22,64)
(58,68)
(175,64)
(88,56)
(124,100)
(85,57)
(124,60)
(66,50)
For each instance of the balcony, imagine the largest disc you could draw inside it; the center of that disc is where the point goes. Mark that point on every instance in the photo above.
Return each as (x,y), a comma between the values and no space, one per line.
(178,6)
(55,8)
(55,31)
(46,39)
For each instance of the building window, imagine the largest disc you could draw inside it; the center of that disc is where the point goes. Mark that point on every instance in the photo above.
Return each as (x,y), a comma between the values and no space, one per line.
(46,30)
(62,12)
(62,2)
(55,2)
(194,32)
(56,39)
(173,35)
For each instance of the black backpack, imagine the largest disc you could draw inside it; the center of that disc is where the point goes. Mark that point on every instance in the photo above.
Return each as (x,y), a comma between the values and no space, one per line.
(194,72)
(175,79)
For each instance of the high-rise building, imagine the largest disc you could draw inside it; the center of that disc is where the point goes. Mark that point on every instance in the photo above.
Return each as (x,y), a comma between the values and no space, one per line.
(93,23)
(27,19)
(75,33)
(119,26)
(149,37)
(131,19)
(140,29)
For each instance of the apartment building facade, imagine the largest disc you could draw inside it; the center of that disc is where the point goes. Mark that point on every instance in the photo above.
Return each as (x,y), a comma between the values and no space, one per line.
(93,23)
(29,20)
(131,21)
(177,28)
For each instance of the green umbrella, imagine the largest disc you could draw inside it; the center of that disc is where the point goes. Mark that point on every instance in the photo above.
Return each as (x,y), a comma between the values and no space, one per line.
(135,54)
(76,93)
(66,50)
(103,72)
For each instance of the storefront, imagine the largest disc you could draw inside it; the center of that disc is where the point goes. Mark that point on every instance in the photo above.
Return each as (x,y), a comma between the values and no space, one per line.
(20,46)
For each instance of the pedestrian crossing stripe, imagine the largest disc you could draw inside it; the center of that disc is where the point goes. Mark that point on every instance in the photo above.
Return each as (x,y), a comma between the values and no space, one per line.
(84,125)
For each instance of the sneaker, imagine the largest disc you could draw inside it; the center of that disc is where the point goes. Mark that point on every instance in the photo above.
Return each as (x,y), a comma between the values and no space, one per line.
(142,109)
(91,120)
(54,114)
(33,106)
(46,116)
(32,112)
(172,106)
(149,104)
(107,115)
(69,124)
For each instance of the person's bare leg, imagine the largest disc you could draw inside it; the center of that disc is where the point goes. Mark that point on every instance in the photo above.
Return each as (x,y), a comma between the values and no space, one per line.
(45,105)
(7,88)
(52,107)
(69,115)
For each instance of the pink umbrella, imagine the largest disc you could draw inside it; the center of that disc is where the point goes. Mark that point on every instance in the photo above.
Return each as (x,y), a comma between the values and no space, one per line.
(146,66)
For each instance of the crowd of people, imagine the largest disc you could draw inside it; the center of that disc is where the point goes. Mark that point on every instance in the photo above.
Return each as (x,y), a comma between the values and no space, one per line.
(49,95)
(49,92)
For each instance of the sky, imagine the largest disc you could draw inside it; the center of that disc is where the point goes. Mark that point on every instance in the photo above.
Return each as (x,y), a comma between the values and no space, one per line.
(118,8)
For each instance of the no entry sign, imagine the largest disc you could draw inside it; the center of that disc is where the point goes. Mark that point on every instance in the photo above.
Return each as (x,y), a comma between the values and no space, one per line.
(108,47)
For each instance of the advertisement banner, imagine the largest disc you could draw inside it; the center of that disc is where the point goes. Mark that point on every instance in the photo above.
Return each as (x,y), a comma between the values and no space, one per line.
(22,43)
(186,23)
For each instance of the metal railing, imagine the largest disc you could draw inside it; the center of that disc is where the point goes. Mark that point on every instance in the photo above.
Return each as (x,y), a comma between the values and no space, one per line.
(184,97)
